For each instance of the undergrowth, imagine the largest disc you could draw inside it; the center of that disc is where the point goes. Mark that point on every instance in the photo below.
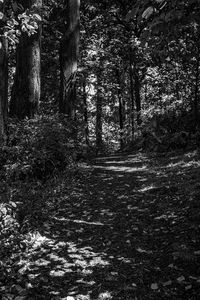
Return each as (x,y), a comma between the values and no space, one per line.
(38,152)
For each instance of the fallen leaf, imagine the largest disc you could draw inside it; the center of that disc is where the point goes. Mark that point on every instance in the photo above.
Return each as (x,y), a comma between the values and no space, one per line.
(140,250)
(181,279)
(154,286)
(188,287)
(167,283)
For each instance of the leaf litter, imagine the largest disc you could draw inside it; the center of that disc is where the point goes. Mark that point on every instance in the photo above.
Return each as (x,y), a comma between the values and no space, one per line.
(109,236)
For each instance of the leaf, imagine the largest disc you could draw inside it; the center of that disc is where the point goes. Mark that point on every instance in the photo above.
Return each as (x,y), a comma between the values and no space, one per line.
(37,17)
(13,204)
(140,250)
(188,287)
(181,279)
(148,12)
(167,283)
(154,286)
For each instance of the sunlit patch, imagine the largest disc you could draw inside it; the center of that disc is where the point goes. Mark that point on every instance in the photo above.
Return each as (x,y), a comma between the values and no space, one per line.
(105,296)
(41,262)
(146,188)
(106,212)
(168,215)
(122,169)
(57,273)
(36,239)
(54,293)
(125,260)
(77,221)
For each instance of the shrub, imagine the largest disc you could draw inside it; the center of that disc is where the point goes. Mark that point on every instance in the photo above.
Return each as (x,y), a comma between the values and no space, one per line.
(38,148)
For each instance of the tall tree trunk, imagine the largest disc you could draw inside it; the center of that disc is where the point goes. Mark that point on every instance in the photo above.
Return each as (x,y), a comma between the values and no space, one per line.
(3,88)
(99,125)
(137,95)
(121,108)
(85,112)
(69,47)
(137,86)
(196,91)
(26,90)
(132,95)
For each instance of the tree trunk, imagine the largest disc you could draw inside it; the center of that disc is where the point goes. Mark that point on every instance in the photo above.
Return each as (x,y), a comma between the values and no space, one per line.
(25,95)
(196,92)
(69,47)
(85,113)
(99,125)
(132,96)
(137,95)
(3,88)
(121,108)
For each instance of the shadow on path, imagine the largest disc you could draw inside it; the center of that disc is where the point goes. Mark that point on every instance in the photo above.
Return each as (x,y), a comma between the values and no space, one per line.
(128,230)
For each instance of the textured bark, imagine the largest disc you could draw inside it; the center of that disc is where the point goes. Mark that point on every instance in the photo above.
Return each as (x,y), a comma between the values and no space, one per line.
(121,108)
(196,92)
(99,126)
(3,89)
(85,113)
(27,85)
(69,48)
(132,95)
(137,95)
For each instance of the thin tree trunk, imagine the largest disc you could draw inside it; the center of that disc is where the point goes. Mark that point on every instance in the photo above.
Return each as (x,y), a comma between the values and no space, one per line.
(121,123)
(69,47)
(137,95)
(85,113)
(196,92)
(26,90)
(99,125)
(137,87)
(121,108)
(132,96)
(3,89)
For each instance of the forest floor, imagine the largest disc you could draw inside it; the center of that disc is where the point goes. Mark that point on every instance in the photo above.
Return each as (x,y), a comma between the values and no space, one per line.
(127,228)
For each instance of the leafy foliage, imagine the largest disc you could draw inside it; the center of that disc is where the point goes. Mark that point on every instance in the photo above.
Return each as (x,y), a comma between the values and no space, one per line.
(38,148)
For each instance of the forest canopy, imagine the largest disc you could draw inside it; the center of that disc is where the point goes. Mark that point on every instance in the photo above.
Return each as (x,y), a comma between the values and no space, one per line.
(118,69)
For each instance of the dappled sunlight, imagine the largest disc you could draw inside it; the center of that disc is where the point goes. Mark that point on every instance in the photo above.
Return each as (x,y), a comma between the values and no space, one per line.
(78,221)
(146,188)
(53,259)
(121,169)
(115,234)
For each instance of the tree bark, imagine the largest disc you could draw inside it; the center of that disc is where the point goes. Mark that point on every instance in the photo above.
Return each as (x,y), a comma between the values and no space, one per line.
(196,91)
(69,48)
(132,96)
(121,108)
(99,125)
(137,86)
(85,112)
(3,89)
(137,95)
(26,90)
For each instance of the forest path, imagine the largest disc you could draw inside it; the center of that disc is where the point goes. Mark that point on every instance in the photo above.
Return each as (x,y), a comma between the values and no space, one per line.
(129,229)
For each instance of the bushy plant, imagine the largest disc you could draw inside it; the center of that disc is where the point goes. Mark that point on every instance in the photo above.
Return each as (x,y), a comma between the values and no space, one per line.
(38,148)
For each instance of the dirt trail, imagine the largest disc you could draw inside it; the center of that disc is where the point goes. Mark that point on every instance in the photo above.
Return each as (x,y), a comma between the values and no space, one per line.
(129,229)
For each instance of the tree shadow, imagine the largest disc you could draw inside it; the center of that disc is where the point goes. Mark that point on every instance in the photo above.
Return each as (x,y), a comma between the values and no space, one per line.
(115,234)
